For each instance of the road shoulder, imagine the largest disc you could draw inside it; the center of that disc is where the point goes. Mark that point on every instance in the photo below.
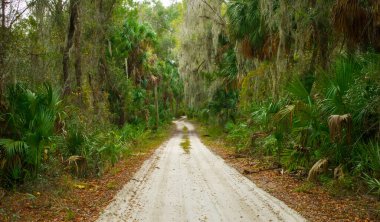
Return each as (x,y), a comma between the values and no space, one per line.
(71,199)
(311,201)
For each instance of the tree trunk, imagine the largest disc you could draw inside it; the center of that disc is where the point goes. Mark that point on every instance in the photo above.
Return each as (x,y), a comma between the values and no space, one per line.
(102,63)
(104,13)
(121,111)
(3,49)
(78,56)
(3,13)
(74,6)
(126,67)
(156,104)
(94,94)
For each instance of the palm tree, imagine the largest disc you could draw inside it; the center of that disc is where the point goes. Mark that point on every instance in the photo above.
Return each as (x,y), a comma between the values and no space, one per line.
(31,117)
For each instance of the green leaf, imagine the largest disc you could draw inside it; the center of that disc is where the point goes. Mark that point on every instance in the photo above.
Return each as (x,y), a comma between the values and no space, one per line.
(13,147)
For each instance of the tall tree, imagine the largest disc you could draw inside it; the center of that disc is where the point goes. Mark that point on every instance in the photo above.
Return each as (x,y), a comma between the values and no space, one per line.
(11,12)
(72,28)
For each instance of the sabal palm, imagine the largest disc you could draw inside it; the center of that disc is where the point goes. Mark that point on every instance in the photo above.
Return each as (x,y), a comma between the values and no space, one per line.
(246,21)
(31,117)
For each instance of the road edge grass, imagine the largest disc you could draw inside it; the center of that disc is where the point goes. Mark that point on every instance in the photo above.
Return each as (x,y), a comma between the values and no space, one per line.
(75,199)
(214,139)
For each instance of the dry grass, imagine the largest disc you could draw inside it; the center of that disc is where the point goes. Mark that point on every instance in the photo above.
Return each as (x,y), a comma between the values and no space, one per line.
(336,125)
(357,22)
(246,48)
(319,167)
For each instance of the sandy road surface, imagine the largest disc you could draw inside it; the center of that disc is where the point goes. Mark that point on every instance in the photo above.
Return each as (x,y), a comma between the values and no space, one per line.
(197,186)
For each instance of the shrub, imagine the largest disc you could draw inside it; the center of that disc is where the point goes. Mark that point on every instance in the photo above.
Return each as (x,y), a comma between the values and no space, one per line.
(239,135)
(366,159)
(30,119)
(373,184)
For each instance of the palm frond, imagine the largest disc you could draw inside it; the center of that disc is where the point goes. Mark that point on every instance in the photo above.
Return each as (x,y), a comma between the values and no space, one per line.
(287,111)
(13,147)
(246,23)
(297,89)
(335,85)
(373,184)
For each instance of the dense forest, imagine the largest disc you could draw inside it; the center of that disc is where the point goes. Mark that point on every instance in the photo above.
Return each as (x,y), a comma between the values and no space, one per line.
(81,80)
(297,83)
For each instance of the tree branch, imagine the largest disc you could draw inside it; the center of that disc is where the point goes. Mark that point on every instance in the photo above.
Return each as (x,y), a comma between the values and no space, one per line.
(215,12)
(18,15)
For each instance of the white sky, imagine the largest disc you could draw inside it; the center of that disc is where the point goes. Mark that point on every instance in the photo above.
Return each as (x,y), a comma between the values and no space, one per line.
(168,2)
(164,2)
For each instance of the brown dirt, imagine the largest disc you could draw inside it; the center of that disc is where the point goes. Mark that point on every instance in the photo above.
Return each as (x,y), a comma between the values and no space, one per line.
(312,201)
(68,199)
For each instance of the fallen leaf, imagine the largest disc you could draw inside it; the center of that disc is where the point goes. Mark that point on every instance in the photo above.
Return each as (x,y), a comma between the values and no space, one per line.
(79,186)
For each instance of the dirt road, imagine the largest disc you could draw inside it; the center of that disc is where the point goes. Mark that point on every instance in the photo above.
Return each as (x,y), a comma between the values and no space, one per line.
(175,185)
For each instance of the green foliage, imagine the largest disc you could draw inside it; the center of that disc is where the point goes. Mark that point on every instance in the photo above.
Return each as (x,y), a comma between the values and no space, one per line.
(246,21)
(136,49)
(224,104)
(114,64)
(106,147)
(13,148)
(228,68)
(129,38)
(298,91)
(125,70)
(280,75)
(373,184)
(30,117)
(305,188)
(338,187)
(185,144)
(239,136)
(295,159)
(262,113)
(336,85)
(103,147)
(75,141)
(295,128)
(366,158)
